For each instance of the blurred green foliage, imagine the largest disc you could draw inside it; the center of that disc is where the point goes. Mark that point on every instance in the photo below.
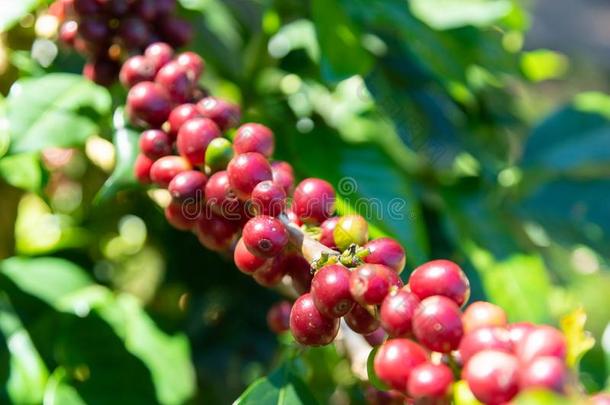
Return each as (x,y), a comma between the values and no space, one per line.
(429,117)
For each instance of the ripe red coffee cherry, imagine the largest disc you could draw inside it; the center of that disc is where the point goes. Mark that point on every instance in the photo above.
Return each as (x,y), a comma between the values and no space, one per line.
(388,252)
(215,232)
(67,32)
(268,198)
(440,277)
(193,63)
(223,113)
(437,324)
(377,337)
(135,70)
(188,187)
(253,137)
(308,326)
(245,261)
(246,171)
(546,372)
(370,283)
(327,228)
(93,29)
(145,9)
(155,144)
(176,31)
(85,7)
(330,291)
(149,103)
(134,32)
(396,359)
(269,276)
(159,54)
(180,115)
(313,200)
(101,71)
(177,80)
(166,168)
(299,271)
(397,312)
(265,236)
(542,341)
(518,330)
(283,175)
(481,313)
(220,198)
(141,169)
(485,338)
(430,381)
(183,217)
(360,320)
(492,376)
(278,317)
(194,137)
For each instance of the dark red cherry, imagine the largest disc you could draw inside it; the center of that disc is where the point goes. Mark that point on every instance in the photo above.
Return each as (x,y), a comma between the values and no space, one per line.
(544,373)
(253,137)
(396,359)
(388,252)
(268,198)
(370,283)
(485,338)
(246,171)
(194,137)
(360,320)
(278,317)
(397,312)
(430,381)
(245,261)
(437,324)
(330,291)
(283,174)
(440,277)
(265,236)
(155,143)
(492,376)
(308,326)
(166,168)
(313,200)
(223,113)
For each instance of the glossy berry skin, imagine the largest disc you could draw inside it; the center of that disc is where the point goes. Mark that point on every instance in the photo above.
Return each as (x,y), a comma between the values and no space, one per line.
(518,330)
(437,324)
(182,217)
(360,320)
(245,261)
(268,198)
(492,376)
(179,115)
(546,372)
(68,32)
(308,326)
(299,271)
(440,277)
(351,229)
(215,232)
(377,337)
(218,154)
(166,168)
(430,381)
(149,103)
(158,54)
(388,252)
(396,359)
(253,137)
(177,81)
(135,70)
(327,228)
(278,317)
(269,276)
(283,174)
(188,187)
(371,283)
(396,313)
(155,143)
(482,313)
(194,137)
(330,291)
(542,341)
(313,200)
(265,236)
(485,338)
(246,171)
(193,63)
(220,198)
(141,169)
(223,113)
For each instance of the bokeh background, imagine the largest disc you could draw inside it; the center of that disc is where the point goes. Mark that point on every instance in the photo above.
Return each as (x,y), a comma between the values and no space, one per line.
(490,119)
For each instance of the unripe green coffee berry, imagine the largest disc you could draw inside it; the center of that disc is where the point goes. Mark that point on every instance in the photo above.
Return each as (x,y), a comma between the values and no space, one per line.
(218,154)
(351,229)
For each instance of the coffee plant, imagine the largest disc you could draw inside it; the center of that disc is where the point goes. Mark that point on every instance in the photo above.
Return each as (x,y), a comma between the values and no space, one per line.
(360,209)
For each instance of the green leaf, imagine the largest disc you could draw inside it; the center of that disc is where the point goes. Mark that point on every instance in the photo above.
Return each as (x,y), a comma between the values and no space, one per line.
(572,140)
(126,146)
(370,370)
(536,397)
(340,41)
(28,374)
(579,341)
(444,14)
(543,64)
(60,392)
(13,11)
(282,387)
(23,171)
(58,109)
(299,34)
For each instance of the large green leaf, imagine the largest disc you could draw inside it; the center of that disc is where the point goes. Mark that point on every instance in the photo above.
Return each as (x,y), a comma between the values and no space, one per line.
(58,109)
(281,387)
(13,11)
(443,14)
(574,139)
(23,171)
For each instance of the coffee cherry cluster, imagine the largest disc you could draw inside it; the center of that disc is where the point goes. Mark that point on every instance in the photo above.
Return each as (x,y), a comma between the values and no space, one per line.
(104,31)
